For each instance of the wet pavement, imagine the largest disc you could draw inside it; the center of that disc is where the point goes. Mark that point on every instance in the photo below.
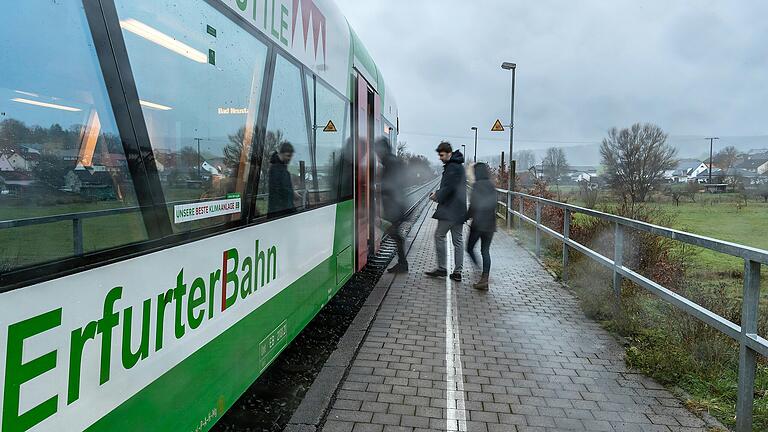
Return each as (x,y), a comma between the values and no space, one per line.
(439,355)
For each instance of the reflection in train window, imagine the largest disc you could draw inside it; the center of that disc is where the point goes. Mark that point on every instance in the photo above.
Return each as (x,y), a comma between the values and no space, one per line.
(200,94)
(287,162)
(332,145)
(61,155)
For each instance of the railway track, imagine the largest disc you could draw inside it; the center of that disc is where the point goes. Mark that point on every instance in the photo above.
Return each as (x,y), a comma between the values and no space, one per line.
(268,404)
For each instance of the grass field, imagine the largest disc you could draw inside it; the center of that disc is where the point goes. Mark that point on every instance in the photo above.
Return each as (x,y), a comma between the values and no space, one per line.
(724,221)
(723,217)
(24,246)
(664,343)
(41,243)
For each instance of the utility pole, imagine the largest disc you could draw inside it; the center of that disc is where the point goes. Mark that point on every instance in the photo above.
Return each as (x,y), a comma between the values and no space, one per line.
(711,145)
(511,183)
(199,162)
(474,128)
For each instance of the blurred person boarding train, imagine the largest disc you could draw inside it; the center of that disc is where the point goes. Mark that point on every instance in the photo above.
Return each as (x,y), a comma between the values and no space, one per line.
(393,199)
(482,212)
(451,211)
(280,184)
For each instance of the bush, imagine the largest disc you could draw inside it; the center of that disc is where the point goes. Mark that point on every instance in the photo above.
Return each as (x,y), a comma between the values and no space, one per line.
(552,217)
(665,343)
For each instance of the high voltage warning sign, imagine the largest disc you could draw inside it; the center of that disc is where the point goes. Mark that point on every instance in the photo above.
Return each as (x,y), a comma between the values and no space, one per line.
(497,127)
(330,127)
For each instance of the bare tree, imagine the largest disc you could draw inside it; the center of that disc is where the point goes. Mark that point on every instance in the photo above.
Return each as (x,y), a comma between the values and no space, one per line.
(691,189)
(188,157)
(401,148)
(725,159)
(555,166)
(233,150)
(675,194)
(635,160)
(525,160)
(763,191)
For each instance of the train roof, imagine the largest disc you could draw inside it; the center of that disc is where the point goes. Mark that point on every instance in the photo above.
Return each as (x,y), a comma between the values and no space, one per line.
(317,34)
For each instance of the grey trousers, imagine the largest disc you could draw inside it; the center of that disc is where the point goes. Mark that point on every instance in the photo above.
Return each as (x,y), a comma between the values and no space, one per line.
(456,229)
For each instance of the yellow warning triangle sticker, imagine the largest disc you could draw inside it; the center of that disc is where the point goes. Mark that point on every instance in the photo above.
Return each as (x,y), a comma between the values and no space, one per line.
(497,127)
(330,127)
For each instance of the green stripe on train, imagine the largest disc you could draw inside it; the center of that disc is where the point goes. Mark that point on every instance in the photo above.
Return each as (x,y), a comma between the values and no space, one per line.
(196,393)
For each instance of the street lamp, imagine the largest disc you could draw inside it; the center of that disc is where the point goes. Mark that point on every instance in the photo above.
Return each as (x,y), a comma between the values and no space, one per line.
(711,144)
(474,128)
(511,183)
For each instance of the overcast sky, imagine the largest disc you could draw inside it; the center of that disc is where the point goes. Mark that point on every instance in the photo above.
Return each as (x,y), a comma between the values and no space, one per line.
(694,68)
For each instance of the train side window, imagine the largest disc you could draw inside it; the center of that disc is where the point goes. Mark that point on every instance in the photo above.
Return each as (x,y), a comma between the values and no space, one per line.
(286,157)
(199,77)
(65,187)
(333,144)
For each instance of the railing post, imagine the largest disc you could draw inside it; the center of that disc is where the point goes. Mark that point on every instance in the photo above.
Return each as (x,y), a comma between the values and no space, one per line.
(748,357)
(618,260)
(77,236)
(509,209)
(566,237)
(538,230)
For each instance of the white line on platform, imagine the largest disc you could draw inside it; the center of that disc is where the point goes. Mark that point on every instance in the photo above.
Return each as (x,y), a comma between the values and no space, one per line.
(456,414)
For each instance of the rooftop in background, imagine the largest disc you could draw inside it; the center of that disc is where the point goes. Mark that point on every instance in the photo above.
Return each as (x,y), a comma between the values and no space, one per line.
(688,164)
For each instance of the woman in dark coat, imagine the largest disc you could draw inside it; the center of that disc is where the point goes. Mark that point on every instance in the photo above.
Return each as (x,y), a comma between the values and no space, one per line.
(280,187)
(482,211)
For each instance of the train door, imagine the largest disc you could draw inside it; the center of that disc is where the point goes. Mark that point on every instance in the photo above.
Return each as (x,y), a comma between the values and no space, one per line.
(375,133)
(363,126)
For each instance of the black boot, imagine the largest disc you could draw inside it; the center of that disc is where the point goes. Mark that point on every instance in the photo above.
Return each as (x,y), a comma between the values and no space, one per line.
(437,273)
(400,267)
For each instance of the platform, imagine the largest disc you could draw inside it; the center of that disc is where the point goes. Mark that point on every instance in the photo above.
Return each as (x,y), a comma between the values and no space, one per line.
(439,355)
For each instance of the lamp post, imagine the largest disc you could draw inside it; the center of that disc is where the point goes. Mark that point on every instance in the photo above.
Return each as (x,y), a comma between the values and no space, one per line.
(199,162)
(711,145)
(511,183)
(474,128)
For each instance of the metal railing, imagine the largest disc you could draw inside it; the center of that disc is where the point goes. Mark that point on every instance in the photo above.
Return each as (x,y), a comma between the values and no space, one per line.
(750,343)
(76,219)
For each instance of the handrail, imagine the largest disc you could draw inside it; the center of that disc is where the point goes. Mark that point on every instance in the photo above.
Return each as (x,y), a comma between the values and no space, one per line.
(722,246)
(77,218)
(42,220)
(751,344)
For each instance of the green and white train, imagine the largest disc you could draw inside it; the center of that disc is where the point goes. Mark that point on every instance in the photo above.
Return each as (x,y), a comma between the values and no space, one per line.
(144,283)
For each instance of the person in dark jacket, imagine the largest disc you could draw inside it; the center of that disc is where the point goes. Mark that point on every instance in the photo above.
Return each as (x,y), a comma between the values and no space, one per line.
(280,200)
(393,199)
(482,212)
(451,210)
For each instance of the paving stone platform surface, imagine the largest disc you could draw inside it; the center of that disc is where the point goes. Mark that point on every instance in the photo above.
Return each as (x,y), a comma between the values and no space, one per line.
(521,357)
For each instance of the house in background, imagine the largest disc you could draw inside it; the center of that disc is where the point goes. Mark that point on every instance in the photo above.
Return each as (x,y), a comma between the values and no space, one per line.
(731,177)
(757,164)
(24,161)
(5,164)
(92,184)
(685,171)
(758,152)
